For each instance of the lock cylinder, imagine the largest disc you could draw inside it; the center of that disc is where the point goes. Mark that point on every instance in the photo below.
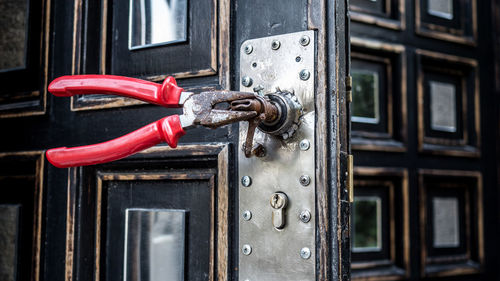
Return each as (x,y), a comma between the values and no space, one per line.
(289,112)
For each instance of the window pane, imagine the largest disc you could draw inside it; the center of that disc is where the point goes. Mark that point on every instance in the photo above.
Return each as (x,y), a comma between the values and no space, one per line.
(367,224)
(443,114)
(446,222)
(154,245)
(156,22)
(365,96)
(13,25)
(440,8)
(9,225)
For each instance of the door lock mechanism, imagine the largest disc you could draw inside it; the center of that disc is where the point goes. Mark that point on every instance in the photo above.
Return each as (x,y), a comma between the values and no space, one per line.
(280,70)
(279,202)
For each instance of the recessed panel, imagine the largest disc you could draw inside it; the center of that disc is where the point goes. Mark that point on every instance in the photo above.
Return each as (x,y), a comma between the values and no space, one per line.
(157,22)
(365,96)
(370,6)
(446,224)
(440,8)
(154,244)
(443,103)
(9,226)
(13,29)
(367,224)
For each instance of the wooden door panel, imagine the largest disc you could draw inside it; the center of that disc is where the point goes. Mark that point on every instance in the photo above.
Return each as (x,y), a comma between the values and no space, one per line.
(192,179)
(447,94)
(21,203)
(101,46)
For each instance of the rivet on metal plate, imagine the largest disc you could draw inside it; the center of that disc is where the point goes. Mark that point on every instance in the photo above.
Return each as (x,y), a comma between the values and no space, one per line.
(305,253)
(248,49)
(305,216)
(246,181)
(304,144)
(275,45)
(247,215)
(304,74)
(247,249)
(246,81)
(305,180)
(304,40)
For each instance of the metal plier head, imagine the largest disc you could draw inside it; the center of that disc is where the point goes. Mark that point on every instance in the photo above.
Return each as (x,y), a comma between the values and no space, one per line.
(212,109)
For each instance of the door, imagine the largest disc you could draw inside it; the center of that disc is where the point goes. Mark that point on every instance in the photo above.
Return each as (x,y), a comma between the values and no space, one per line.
(163,213)
(423,129)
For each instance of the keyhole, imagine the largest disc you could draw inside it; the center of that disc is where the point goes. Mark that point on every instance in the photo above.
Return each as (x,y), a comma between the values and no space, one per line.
(275,200)
(279,202)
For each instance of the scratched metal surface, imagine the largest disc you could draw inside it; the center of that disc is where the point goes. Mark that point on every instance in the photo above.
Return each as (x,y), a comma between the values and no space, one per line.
(276,253)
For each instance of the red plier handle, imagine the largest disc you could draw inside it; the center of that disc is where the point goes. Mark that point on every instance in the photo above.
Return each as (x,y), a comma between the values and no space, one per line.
(166,94)
(166,130)
(198,109)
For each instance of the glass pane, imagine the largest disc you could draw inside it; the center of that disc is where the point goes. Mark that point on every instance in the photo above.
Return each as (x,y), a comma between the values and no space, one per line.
(446,222)
(13,26)
(156,22)
(365,96)
(367,224)
(154,245)
(9,226)
(443,114)
(440,8)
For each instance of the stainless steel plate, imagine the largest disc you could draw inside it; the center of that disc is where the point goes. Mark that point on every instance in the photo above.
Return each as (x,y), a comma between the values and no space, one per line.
(276,254)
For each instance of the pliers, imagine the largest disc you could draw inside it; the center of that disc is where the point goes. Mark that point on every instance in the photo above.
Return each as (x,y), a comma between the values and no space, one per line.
(198,109)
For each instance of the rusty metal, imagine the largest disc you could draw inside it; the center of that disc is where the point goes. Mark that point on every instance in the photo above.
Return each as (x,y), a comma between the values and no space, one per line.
(212,109)
(266,111)
(261,105)
(218,108)
(252,125)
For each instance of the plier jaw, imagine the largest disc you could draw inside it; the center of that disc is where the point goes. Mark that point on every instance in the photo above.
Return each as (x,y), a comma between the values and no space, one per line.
(210,109)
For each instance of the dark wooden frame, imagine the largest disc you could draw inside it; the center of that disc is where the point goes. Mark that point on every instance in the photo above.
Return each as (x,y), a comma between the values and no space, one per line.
(395,20)
(457,269)
(219,68)
(219,248)
(445,146)
(31,102)
(38,157)
(447,33)
(394,57)
(383,175)
(389,185)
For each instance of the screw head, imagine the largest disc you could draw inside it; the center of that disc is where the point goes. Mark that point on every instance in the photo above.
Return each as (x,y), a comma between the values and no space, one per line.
(246,81)
(246,181)
(246,249)
(305,180)
(305,216)
(304,144)
(304,40)
(247,215)
(305,253)
(304,74)
(248,49)
(275,45)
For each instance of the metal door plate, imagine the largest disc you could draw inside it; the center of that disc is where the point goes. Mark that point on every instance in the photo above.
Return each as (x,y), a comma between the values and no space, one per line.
(265,252)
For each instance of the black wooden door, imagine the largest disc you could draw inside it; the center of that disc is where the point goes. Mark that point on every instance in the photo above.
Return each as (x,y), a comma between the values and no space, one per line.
(99,222)
(423,129)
